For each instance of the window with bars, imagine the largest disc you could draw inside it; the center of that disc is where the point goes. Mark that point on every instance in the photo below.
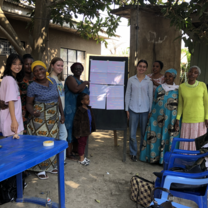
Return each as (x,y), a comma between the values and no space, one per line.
(69,57)
(6,48)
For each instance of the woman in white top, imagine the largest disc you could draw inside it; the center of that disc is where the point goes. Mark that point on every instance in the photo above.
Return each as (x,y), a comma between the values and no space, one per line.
(56,71)
(138,104)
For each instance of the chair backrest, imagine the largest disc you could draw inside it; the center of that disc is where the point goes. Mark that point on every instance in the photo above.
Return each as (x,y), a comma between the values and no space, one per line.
(181,158)
(181,180)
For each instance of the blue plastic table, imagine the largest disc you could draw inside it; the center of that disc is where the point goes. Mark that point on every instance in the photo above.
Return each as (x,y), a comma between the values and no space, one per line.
(18,155)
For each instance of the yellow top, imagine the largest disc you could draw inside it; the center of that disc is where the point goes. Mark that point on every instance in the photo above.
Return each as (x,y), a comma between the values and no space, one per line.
(193,103)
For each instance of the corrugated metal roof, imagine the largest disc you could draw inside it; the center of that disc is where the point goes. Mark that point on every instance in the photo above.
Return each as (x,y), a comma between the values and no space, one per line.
(20,4)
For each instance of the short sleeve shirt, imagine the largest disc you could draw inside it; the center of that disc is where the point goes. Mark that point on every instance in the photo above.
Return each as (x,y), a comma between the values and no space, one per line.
(61,91)
(9,91)
(42,93)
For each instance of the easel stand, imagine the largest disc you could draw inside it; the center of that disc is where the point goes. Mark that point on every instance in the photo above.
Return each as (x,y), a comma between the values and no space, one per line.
(113,119)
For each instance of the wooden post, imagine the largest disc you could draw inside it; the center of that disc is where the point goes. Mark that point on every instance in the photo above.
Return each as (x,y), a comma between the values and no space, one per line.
(115,138)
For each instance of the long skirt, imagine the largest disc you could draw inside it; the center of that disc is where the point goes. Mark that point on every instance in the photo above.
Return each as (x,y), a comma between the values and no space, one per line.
(191,131)
(46,125)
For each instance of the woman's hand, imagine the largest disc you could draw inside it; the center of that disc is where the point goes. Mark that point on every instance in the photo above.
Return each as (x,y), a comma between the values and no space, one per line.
(177,125)
(14,126)
(127,114)
(149,115)
(62,120)
(86,82)
(36,113)
(206,123)
(155,83)
(2,105)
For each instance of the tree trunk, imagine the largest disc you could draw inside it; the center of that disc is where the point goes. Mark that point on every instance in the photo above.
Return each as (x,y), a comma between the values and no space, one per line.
(40,30)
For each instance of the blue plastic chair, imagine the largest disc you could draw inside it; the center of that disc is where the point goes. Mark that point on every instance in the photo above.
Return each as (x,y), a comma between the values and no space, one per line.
(182,158)
(177,151)
(181,180)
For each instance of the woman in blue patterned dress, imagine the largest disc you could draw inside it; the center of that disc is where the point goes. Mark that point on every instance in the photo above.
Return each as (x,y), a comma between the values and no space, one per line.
(73,86)
(160,130)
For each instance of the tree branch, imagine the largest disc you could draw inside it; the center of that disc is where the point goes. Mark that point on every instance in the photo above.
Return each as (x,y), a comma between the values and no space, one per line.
(20,51)
(54,3)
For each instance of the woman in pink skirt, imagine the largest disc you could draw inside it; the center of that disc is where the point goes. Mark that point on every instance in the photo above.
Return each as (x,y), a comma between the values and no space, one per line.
(193,107)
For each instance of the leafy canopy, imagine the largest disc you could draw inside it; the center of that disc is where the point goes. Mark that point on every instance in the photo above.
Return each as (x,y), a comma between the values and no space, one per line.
(91,12)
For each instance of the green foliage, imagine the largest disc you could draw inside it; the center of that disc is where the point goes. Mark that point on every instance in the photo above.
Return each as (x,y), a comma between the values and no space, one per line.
(125,51)
(93,22)
(191,17)
(185,66)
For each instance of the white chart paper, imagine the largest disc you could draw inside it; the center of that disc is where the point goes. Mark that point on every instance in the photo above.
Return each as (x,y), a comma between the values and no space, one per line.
(115,78)
(102,74)
(116,67)
(98,78)
(115,103)
(96,90)
(98,96)
(98,102)
(115,98)
(115,91)
(99,66)
(107,72)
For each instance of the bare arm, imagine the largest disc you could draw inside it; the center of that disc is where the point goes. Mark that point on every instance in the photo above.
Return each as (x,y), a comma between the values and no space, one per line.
(30,108)
(14,124)
(61,110)
(127,98)
(205,105)
(73,86)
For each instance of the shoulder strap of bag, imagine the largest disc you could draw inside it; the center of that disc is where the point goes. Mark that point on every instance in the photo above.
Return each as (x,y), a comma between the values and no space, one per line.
(166,204)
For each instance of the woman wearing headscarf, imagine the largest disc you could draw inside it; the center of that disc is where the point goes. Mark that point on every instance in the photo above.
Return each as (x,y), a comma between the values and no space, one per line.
(160,130)
(44,104)
(73,86)
(193,107)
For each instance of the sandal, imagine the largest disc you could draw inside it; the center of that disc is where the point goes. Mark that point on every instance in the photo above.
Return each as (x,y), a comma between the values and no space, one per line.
(42,175)
(72,157)
(75,153)
(54,171)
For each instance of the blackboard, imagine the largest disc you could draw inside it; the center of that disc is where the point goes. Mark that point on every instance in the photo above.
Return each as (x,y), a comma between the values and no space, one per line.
(111,119)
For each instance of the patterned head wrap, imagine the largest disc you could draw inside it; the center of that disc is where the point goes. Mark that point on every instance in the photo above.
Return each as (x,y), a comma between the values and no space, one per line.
(75,64)
(40,63)
(195,67)
(172,71)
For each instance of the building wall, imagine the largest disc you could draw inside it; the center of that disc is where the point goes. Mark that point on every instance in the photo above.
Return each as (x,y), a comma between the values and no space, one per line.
(199,58)
(153,41)
(56,40)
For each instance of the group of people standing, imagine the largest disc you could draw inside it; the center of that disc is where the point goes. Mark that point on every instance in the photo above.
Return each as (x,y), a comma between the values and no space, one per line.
(34,101)
(164,110)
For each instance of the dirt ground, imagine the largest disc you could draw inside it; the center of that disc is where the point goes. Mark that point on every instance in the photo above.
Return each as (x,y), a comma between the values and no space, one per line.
(106,178)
